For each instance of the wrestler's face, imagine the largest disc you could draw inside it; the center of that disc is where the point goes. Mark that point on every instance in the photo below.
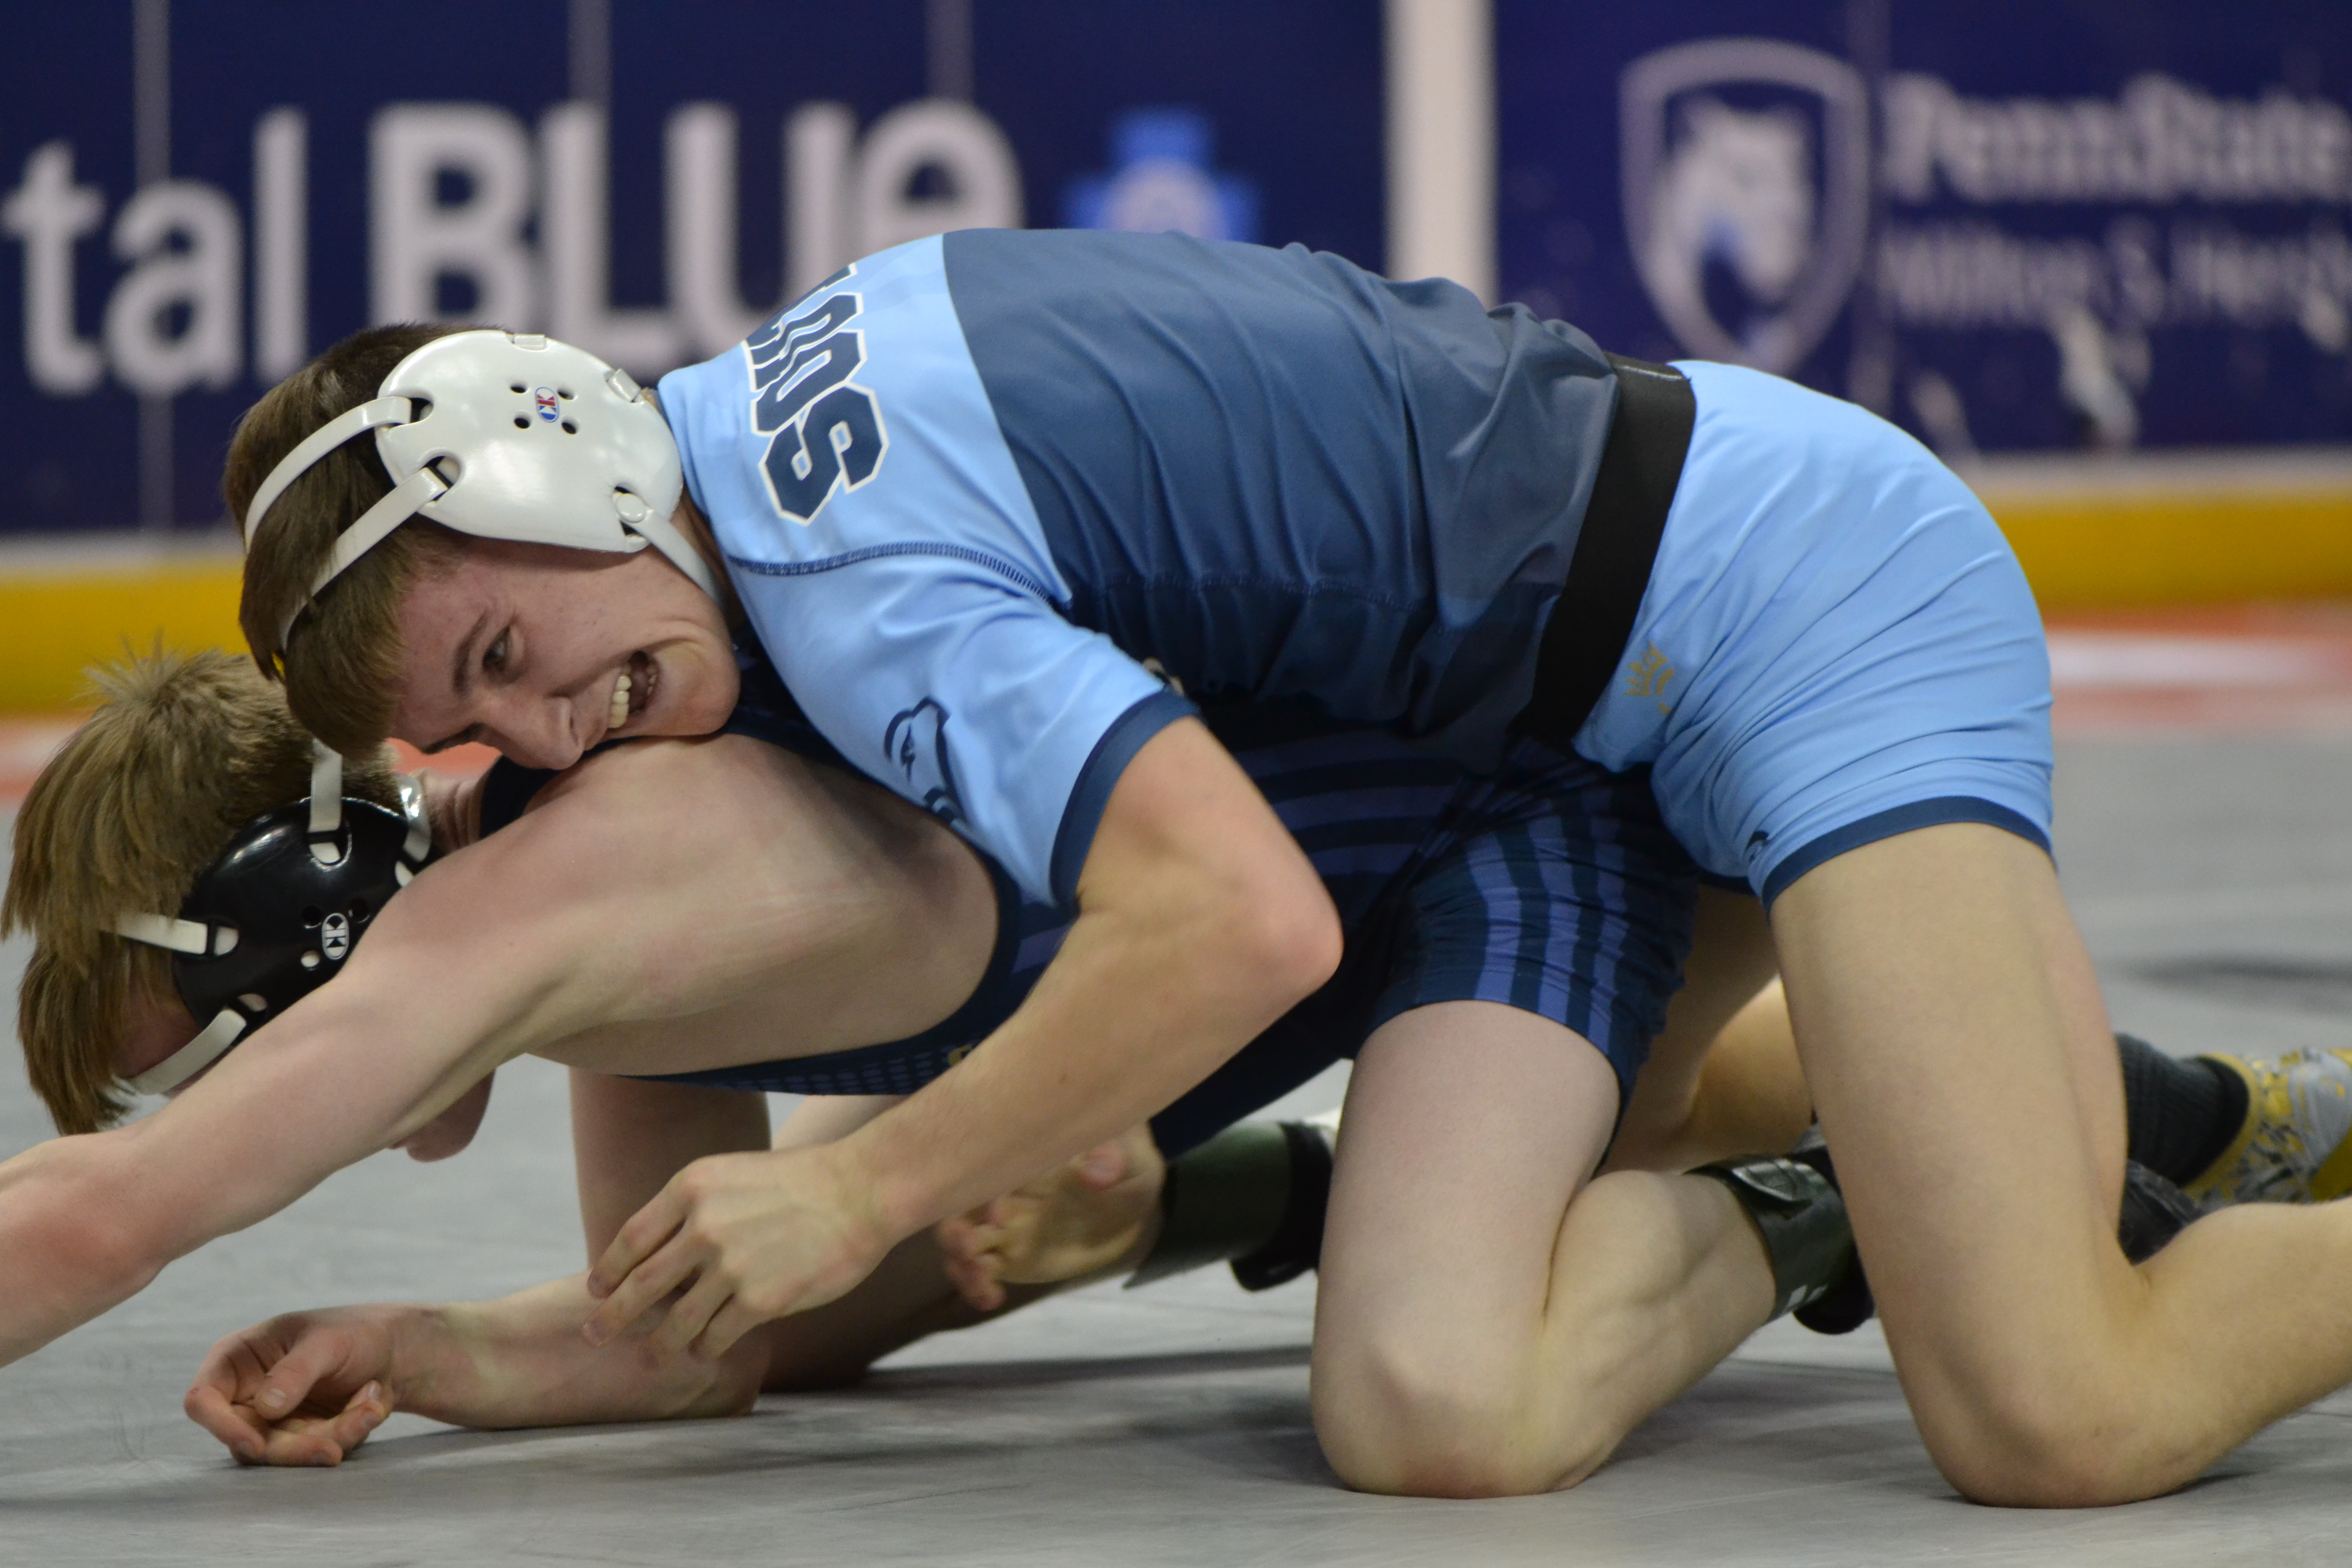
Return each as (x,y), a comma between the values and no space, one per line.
(542,652)
(159,1028)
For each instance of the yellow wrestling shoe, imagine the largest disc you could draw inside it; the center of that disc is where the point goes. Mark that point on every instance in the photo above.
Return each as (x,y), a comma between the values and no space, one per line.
(2292,1148)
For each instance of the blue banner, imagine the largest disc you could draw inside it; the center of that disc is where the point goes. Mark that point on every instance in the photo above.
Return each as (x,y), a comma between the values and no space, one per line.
(195,198)
(2011,225)
(2069,224)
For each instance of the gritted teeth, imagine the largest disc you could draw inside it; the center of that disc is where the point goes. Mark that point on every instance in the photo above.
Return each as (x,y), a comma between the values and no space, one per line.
(645,680)
(633,692)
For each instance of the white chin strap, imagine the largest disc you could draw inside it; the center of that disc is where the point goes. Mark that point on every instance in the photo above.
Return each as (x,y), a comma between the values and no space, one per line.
(506,436)
(193,1057)
(326,804)
(317,444)
(181,936)
(419,842)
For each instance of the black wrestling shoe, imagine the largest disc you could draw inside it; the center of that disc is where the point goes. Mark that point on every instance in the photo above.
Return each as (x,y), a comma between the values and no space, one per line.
(1296,1244)
(1848,1304)
(2155,1211)
(1253,1195)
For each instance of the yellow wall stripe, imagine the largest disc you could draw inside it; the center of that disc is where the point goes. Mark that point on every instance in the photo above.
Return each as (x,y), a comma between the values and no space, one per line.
(2096,553)
(2092,534)
(61,614)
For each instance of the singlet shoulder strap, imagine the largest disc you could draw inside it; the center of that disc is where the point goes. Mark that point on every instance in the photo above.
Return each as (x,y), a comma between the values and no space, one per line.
(508,790)
(1641,465)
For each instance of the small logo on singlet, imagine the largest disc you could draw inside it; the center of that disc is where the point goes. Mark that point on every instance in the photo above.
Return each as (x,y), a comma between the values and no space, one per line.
(826,430)
(1647,677)
(916,743)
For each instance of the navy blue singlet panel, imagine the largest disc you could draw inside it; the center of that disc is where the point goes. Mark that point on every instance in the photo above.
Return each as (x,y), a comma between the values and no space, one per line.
(1283,476)
(970,486)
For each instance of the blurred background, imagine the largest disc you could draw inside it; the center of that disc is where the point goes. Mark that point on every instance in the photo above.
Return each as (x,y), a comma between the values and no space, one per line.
(2098,253)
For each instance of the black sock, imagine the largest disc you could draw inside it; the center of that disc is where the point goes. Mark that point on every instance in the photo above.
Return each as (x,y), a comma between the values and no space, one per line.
(2181,1114)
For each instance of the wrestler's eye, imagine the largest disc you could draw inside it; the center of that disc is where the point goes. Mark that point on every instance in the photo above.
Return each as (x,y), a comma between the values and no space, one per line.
(494,657)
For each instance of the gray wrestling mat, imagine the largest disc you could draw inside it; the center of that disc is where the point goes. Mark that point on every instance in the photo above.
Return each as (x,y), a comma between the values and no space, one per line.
(1170,1426)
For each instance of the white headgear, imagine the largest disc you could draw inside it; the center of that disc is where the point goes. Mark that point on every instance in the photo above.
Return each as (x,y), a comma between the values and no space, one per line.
(506,436)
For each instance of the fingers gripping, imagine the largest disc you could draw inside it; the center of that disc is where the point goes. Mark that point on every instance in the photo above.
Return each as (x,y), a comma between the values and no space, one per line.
(283,1395)
(673,1245)
(641,1290)
(641,1237)
(774,1232)
(682,1327)
(645,1263)
(971,1249)
(326,1440)
(1063,1226)
(313,1359)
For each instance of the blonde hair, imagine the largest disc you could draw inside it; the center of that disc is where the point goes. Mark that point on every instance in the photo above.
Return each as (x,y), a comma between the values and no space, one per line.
(183,749)
(340,659)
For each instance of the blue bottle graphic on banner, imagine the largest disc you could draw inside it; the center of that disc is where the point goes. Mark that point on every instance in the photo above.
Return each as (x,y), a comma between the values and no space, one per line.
(1162,181)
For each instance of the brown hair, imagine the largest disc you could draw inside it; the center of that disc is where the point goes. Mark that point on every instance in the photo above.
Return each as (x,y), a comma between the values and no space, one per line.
(183,749)
(343,681)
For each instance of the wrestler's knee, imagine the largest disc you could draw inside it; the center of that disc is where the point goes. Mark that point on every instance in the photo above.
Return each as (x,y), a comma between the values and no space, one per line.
(2038,1437)
(1416,1419)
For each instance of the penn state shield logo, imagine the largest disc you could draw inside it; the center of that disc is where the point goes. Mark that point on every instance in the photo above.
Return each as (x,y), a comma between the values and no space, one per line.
(916,745)
(1745,177)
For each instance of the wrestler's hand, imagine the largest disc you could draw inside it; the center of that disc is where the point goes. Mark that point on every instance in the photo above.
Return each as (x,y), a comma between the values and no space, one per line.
(747,1238)
(1071,1222)
(303,1389)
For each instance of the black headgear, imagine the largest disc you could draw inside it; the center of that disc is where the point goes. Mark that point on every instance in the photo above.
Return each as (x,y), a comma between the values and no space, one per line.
(275,916)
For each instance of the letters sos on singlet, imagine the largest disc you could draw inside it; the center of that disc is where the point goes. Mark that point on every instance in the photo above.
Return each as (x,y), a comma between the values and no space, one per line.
(968,485)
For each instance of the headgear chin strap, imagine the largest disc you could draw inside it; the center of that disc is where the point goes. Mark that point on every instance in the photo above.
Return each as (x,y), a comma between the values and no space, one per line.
(274,918)
(506,436)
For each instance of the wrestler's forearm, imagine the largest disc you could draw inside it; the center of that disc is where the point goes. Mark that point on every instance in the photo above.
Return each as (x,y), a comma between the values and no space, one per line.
(1201,923)
(67,1250)
(520,1362)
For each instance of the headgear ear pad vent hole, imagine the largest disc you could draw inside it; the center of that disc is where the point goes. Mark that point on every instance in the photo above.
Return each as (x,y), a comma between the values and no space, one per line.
(286,908)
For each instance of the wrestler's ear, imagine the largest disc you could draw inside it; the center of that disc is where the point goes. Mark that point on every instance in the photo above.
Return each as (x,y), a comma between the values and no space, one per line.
(450,1132)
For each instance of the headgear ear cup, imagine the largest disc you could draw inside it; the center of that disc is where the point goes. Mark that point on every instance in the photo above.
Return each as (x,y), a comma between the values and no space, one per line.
(507,436)
(270,920)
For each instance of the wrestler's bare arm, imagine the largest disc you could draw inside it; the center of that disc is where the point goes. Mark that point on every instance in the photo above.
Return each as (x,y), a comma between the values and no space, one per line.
(1199,923)
(598,906)
(307,1387)
(629,1138)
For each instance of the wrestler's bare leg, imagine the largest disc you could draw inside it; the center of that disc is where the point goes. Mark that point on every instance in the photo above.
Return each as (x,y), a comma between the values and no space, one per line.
(1722,1078)
(1721,1081)
(1489,1320)
(1958,1052)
